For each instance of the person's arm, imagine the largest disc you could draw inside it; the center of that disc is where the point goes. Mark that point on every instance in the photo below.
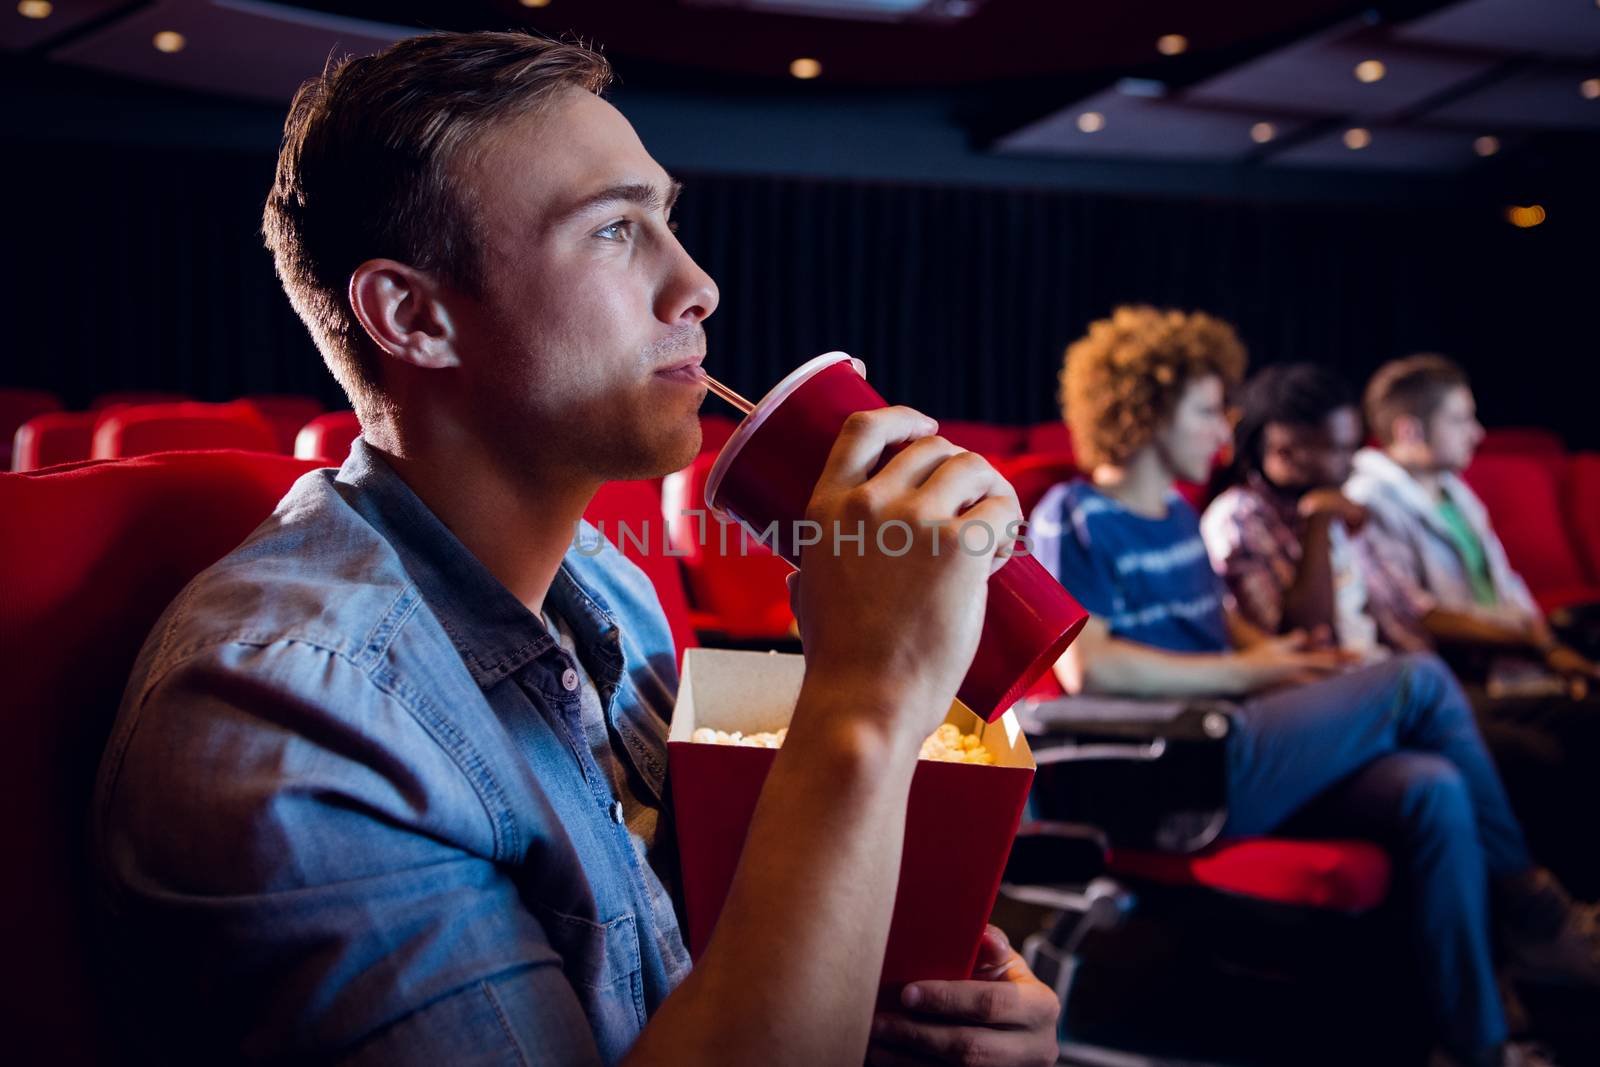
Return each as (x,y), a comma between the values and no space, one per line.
(790,975)
(1100,663)
(1308,602)
(1530,638)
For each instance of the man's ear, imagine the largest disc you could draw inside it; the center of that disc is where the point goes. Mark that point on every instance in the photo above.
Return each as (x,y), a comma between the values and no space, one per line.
(1407,430)
(403,310)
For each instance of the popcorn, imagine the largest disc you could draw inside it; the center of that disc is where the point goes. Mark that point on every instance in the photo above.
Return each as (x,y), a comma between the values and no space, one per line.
(947,744)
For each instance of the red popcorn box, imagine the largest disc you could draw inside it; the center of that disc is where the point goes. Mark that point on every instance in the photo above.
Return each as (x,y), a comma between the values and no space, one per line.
(960,820)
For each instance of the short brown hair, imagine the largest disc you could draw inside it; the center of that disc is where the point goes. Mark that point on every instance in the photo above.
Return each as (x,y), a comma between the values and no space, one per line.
(1125,377)
(1415,386)
(369,168)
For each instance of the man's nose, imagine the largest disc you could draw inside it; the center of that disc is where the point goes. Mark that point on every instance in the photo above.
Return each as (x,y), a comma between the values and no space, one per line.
(689,295)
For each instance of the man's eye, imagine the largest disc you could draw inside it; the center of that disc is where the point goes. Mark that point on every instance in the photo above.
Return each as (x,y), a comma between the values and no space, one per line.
(615,231)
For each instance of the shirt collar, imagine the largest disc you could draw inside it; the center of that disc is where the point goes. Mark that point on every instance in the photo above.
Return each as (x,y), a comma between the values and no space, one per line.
(493,631)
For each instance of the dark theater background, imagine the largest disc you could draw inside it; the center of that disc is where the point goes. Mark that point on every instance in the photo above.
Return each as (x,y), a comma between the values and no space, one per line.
(949,190)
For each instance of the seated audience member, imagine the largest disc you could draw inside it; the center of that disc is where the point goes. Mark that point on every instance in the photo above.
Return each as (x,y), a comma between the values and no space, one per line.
(1280,533)
(1436,569)
(1280,537)
(386,786)
(1388,751)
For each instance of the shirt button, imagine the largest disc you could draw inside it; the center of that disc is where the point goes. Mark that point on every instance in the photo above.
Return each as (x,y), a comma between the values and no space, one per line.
(569,679)
(616,811)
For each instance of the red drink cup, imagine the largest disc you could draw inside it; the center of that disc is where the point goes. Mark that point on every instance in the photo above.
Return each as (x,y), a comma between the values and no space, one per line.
(764,478)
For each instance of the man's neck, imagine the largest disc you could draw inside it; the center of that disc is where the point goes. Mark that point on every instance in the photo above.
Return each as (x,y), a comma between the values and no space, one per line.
(519,527)
(1140,485)
(1430,478)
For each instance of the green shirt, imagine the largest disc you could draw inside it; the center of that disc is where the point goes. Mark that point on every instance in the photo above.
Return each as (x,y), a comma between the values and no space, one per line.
(1472,554)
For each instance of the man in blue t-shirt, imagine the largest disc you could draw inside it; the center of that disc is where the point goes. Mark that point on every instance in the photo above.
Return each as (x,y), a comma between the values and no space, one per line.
(1389,751)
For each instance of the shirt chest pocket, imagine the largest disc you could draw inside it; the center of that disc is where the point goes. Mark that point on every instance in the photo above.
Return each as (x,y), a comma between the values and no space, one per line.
(601,961)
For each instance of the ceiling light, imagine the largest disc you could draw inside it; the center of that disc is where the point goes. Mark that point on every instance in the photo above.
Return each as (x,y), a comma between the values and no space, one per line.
(1525,217)
(1486,146)
(1357,137)
(1590,88)
(1262,132)
(1172,44)
(535,3)
(1370,70)
(34,9)
(169,41)
(1091,122)
(805,68)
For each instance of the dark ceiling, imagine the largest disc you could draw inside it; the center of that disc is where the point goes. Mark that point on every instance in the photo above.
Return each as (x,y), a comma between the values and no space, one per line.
(1045,79)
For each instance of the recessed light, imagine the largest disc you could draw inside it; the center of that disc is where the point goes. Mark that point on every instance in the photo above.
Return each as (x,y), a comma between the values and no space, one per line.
(1091,122)
(1172,44)
(535,3)
(1486,146)
(1525,217)
(1357,137)
(805,68)
(1370,70)
(169,41)
(1590,88)
(35,9)
(1262,132)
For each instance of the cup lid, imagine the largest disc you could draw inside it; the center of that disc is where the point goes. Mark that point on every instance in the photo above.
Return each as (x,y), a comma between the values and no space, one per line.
(758,415)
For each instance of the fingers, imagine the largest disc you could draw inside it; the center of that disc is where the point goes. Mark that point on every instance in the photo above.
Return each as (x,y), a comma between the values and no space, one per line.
(924,1044)
(863,440)
(914,464)
(994,955)
(967,1001)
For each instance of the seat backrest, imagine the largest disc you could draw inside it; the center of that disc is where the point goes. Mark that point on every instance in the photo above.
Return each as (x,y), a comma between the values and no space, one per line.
(140,430)
(715,431)
(17,406)
(1523,440)
(328,437)
(89,558)
(985,438)
(1049,438)
(637,504)
(53,438)
(1524,505)
(286,414)
(1583,509)
(733,580)
(131,397)
(1032,475)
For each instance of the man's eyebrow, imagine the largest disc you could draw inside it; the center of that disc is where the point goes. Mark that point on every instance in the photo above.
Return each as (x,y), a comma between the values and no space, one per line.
(644,194)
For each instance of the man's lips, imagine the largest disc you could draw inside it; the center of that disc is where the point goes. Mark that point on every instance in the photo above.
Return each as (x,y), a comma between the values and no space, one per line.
(687,370)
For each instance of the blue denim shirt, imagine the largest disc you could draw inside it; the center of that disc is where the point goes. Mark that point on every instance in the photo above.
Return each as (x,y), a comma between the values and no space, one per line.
(348,811)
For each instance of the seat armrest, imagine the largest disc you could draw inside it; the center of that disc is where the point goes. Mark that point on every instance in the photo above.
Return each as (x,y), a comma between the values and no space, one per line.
(1158,781)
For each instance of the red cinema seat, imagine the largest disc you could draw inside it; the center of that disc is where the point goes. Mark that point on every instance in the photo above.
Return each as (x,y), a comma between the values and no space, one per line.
(985,438)
(715,431)
(1049,438)
(1033,475)
(328,437)
(1525,507)
(1346,876)
(737,587)
(629,515)
(90,555)
(53,438)
(286,414)
(136,396)
(1583,509)
(17,406)
(140,430)
(1522,441)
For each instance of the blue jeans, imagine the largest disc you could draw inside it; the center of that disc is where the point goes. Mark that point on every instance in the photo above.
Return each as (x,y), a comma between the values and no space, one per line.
(1391,753)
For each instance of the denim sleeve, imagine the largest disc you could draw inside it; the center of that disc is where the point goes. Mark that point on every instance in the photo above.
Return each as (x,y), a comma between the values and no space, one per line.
(298,866)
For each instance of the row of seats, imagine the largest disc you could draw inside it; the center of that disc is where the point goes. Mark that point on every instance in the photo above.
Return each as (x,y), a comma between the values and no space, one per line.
(1544,502)
(120,425)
